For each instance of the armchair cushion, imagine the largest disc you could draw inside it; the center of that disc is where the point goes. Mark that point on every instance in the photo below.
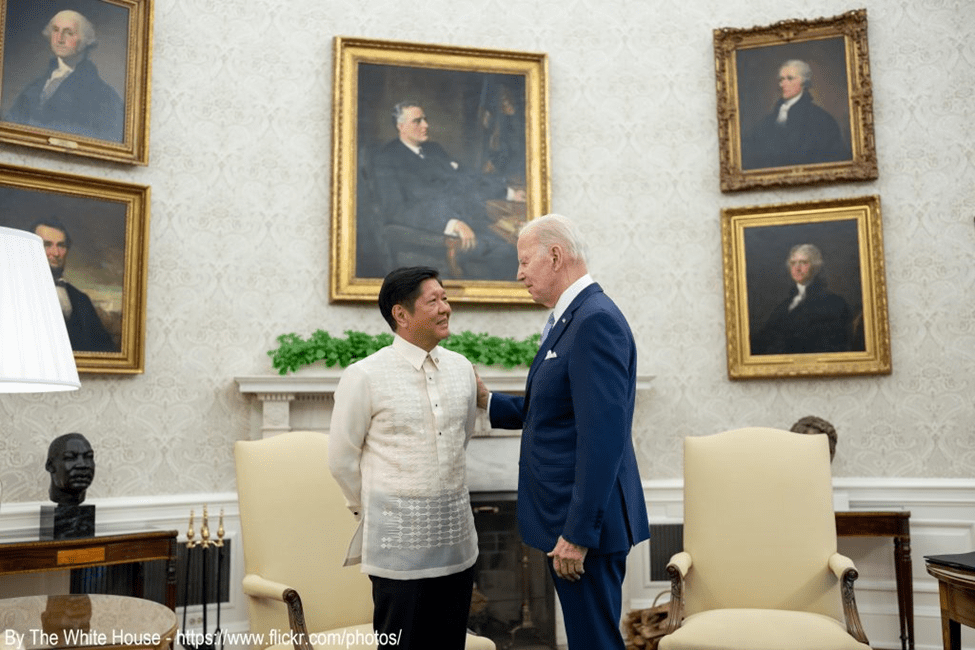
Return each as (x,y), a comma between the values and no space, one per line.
(760,629)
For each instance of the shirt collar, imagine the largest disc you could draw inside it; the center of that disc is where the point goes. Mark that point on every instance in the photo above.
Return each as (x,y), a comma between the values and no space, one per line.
(787,104)
(64,67)
(414,149)
(570,294)
(413,354)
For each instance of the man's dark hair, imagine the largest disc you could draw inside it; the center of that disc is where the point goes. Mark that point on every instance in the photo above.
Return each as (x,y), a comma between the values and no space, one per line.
(402,287)
(53,222)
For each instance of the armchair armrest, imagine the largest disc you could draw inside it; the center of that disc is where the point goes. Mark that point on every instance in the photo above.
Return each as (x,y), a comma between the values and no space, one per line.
(259,587)
(844,569)
(678,567)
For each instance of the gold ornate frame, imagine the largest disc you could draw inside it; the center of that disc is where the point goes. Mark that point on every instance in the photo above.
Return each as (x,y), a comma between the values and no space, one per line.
(123,58)
(108,223)
(358,63)
(747,62)
(756,244)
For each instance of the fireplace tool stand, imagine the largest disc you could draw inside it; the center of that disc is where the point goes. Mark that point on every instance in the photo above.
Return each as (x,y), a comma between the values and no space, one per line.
(525,635)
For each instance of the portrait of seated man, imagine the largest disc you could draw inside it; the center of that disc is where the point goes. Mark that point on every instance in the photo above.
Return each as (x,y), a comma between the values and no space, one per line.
(420,186)
(797,131)
(811,318)
(70,95)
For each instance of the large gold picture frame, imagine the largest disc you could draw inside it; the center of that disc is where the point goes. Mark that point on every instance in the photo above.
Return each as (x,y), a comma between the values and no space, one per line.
(101,108)
(826,135)
(485,163)
(839,325)
(102,228)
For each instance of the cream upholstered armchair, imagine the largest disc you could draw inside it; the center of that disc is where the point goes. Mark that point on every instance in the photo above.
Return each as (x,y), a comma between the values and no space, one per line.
(295,529)
(759,569)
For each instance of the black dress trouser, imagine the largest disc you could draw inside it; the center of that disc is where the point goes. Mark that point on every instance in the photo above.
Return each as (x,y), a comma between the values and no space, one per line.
(422,614)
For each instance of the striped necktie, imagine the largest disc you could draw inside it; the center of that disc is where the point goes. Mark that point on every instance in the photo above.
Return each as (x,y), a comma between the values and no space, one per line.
(548,327)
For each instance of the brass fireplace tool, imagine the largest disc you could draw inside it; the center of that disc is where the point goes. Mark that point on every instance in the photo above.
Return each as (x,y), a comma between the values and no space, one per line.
(206,640)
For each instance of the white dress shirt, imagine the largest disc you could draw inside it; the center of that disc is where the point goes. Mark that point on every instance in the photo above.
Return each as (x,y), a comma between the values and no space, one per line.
(784,109)
(400,427)
(570,294)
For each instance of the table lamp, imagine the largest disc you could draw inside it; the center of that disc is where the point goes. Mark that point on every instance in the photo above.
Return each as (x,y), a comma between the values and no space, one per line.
(35,352)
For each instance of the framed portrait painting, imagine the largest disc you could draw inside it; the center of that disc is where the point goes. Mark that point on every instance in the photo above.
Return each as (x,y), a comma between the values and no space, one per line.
(96,236)
(805,289)
(75,77)
(439,156)
(795,103)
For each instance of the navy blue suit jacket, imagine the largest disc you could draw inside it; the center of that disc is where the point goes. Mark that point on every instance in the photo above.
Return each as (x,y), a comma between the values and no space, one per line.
(578,475)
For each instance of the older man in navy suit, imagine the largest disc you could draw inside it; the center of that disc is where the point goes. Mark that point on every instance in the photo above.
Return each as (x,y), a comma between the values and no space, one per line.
(579,493)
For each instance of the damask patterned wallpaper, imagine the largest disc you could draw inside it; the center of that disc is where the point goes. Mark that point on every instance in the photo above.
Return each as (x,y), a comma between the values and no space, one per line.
(239,170)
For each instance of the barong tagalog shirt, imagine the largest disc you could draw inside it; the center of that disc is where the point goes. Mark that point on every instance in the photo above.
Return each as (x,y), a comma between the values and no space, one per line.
(400,427)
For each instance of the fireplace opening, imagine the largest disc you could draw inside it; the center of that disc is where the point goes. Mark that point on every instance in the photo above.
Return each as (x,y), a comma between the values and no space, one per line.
(514,597)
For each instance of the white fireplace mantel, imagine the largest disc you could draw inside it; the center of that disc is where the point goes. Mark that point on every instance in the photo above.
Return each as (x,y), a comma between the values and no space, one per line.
(279,394)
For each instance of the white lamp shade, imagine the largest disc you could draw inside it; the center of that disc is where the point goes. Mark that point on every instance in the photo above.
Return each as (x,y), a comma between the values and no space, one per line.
(35,352)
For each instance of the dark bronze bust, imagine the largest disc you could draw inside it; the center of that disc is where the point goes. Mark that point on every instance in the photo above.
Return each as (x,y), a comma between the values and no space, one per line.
(71,463)
(813,425)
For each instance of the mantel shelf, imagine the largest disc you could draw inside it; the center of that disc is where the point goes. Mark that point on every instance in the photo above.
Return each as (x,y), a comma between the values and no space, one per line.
(313,380)
(277,392)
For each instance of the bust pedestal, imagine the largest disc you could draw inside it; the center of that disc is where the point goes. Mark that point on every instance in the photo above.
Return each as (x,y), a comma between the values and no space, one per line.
(67,522)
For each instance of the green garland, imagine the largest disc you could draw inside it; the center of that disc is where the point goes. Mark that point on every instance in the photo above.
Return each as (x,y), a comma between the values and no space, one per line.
(294,352)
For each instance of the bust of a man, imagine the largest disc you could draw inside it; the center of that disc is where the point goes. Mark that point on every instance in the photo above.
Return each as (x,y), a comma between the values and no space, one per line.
(71,463)
(814,425)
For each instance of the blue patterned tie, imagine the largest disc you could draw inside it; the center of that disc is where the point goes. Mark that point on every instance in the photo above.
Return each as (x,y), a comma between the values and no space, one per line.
(548,327)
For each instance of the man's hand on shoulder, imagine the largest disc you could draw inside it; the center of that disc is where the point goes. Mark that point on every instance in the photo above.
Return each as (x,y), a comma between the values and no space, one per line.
(483,394)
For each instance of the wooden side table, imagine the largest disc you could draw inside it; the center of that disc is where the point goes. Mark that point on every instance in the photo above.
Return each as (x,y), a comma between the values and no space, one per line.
(55,555)
(894,524)
(956,588)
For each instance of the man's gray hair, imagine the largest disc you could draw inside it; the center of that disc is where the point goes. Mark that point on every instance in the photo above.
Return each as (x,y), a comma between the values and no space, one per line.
(400,108)
(810,251)
(86,31)
(555,229)
(802,68)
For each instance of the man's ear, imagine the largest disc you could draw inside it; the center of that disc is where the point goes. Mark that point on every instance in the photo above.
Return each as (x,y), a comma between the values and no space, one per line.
(49,466)
(557,255)
(399,315)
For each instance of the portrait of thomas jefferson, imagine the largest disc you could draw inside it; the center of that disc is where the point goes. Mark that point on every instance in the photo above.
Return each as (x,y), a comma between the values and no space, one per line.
(64,70)
(804,288)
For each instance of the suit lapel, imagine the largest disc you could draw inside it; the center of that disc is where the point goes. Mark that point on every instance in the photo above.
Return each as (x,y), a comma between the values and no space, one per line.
(558,329)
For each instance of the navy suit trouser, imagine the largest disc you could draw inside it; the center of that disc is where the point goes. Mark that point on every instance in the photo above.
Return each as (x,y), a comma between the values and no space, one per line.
(592,606)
